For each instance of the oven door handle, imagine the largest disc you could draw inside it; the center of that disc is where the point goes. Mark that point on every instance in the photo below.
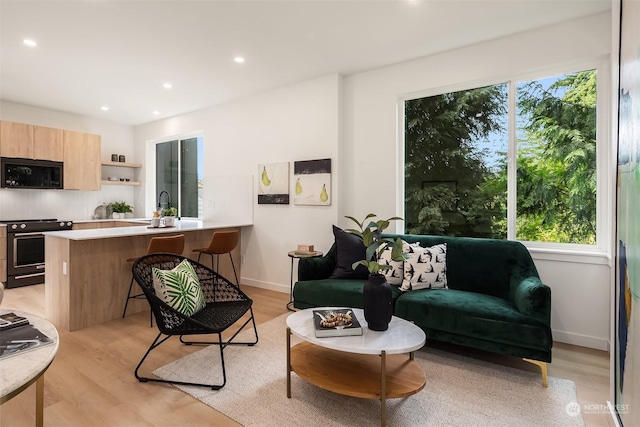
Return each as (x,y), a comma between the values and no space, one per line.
(35,233)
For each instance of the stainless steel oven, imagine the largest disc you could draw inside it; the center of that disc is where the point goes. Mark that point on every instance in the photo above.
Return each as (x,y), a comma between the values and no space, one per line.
(25,249)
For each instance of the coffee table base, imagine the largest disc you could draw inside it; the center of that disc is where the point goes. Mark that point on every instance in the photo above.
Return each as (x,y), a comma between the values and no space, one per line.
(367,376)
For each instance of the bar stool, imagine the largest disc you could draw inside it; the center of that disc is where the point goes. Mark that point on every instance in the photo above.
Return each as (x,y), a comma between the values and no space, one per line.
(222,242)
(169,244)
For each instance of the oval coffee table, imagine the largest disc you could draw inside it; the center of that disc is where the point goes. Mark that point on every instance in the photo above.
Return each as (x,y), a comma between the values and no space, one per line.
(370,366)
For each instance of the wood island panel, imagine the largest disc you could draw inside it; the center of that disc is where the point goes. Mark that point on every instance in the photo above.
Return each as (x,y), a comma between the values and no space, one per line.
(95,286)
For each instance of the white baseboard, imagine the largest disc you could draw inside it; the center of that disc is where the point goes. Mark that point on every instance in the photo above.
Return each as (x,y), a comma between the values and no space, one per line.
(265,285)
(581,340)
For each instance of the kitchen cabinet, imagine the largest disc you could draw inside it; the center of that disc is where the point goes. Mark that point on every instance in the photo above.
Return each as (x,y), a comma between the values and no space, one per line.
(20,140)
(82,154)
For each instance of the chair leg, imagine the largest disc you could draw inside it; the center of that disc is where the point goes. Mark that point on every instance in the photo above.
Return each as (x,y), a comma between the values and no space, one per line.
(230,340)
(159,341)
(124,312)
(234,270)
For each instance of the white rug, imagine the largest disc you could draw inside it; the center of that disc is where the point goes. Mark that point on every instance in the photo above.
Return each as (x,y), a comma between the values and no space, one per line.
(460,391)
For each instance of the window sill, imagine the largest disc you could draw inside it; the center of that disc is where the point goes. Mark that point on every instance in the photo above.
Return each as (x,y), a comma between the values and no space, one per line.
(569,255)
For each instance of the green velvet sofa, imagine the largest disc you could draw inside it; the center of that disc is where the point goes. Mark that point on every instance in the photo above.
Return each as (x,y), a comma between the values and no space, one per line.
(495,300)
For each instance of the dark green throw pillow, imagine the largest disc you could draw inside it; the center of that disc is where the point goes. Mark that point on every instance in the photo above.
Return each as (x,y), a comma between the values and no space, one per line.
(349,249)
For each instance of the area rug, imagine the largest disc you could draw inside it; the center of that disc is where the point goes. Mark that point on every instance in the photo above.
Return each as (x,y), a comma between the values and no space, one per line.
(460,391)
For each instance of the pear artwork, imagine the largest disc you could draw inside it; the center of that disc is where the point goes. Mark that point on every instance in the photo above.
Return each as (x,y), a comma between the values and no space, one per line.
(265,178)
(324,196)
(298,187)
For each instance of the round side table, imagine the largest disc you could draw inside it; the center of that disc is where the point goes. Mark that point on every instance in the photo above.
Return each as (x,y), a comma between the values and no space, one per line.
(297,255)
(20,371)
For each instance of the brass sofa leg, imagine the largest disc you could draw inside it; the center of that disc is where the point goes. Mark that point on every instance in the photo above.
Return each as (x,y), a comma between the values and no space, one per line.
(543,370)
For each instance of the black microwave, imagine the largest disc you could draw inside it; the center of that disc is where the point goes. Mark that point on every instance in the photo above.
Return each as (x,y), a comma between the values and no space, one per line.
(28,173)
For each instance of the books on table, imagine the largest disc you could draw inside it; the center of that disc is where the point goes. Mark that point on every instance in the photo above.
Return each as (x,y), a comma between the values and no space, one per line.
(12,320)
(337,322)
(18,336)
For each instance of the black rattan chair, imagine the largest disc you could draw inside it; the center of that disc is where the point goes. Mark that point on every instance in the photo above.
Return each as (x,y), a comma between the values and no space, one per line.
(226,304)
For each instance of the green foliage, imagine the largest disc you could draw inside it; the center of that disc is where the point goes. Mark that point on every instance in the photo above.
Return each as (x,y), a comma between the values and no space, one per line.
(170,211)
(371,238)
(120,207)
(449,190)
(557,162)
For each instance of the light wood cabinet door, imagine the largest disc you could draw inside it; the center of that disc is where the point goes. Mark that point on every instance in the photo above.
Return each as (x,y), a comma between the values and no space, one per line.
(82,166)
(48,143)
(16,140)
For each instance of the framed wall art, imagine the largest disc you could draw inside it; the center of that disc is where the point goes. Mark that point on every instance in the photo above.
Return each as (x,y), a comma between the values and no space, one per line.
(312,182)
(273,183)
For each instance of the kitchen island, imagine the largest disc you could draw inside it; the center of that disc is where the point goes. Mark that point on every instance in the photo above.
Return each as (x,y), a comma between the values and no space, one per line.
(87,277)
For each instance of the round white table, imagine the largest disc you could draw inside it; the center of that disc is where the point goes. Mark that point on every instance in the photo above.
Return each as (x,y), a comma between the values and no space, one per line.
(370,366)
(18,372)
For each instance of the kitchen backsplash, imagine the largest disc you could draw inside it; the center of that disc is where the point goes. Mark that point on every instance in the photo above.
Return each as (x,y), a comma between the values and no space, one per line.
(60,204)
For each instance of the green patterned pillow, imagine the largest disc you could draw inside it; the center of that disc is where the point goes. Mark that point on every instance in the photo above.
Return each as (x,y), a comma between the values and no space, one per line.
(179,288)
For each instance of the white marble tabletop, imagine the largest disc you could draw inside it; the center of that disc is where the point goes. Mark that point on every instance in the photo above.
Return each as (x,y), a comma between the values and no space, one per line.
(401,336)
(18,370)
(180,225)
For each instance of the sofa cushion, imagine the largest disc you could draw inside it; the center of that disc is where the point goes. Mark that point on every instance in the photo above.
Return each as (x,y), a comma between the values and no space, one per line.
(425,268)
(349,249)
(395,273)
(332,293)
(473,315)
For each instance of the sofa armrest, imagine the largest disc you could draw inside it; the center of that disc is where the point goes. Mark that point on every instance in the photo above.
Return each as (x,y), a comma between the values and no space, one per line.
(533,298)
(317,268)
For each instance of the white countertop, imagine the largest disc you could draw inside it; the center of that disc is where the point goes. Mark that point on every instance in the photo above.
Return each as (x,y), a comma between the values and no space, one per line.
(106,233)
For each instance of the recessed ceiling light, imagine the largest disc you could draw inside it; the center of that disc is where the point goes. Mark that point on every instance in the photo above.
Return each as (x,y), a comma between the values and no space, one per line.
(104,108)
(156,112)
(239,59)
(30,43)
(167,85)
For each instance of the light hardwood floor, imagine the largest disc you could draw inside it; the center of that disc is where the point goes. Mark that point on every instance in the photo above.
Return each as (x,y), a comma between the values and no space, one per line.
(91,382)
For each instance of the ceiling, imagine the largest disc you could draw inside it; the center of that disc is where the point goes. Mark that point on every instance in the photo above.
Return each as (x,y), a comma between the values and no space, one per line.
(94,53)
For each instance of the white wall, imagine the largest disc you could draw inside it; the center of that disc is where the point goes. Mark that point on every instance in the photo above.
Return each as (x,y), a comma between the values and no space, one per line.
(298,122)
(67,204)
(370,179)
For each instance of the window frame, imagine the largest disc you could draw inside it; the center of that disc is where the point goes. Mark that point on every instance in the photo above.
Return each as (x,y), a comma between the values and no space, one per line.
(600,253)
(150,173)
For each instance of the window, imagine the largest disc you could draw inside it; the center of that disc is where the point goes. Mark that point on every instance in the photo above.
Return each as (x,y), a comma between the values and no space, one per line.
(513,160)
(179,172)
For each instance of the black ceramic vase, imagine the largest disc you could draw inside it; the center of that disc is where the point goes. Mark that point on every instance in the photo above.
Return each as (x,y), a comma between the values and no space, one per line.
(377,302)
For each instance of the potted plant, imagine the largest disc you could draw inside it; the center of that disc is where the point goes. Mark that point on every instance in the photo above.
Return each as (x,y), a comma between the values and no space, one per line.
(169,215)
(377,296)
(119,209)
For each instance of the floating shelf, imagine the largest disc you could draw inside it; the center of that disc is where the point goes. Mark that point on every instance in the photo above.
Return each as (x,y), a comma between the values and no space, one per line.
(122,165)
(120,183)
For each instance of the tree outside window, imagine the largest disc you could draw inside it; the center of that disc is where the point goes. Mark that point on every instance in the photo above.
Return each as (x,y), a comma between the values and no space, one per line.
(456,157)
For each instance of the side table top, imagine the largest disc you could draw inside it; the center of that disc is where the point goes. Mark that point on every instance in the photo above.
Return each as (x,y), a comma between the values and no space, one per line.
(304,254)
(401,336)
(20,370)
